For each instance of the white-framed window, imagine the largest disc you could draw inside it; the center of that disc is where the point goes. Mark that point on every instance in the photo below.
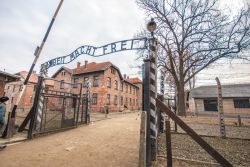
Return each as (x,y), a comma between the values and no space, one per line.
(109,82)
(94,98)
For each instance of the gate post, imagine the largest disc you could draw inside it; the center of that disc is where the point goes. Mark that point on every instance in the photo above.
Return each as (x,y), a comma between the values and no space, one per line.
(35,108)
(149,96)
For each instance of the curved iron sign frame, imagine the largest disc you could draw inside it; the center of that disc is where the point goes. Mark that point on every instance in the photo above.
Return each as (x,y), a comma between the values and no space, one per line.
(130,44)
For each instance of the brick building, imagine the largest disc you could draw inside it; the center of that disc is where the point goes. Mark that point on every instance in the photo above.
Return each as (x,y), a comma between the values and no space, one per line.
(136,81)
(13,89)
(108,87)
(4,79)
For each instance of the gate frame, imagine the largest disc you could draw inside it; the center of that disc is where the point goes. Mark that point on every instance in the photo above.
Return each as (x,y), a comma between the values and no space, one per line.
(33,112)
(34,107)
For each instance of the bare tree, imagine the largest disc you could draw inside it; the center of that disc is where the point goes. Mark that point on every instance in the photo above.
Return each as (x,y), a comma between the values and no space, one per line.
(192,34)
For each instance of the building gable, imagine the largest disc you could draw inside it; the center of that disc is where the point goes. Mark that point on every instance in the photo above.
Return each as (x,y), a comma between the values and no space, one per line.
(62,69)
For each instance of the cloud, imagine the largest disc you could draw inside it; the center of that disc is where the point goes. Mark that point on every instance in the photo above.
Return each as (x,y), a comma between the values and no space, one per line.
(95,22)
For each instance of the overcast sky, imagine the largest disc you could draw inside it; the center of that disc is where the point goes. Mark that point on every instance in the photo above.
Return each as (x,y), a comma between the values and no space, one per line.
(79,22)
(23,24)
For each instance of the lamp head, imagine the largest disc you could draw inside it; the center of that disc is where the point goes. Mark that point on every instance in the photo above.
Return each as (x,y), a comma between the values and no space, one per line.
(151,26)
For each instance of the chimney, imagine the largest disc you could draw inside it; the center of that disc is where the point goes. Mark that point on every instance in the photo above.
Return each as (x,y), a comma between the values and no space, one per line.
(86,62)
(78,64)
(124,76)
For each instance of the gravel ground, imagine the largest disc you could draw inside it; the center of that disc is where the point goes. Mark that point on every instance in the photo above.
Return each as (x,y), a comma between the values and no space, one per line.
(235,151)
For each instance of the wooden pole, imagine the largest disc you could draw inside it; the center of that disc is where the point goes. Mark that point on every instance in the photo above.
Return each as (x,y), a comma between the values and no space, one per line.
(168,143)
(175,124)
(239,120)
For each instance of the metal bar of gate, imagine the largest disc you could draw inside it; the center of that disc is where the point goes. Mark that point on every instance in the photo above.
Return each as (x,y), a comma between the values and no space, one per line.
(82,116)
(168,143)
(78,104)
(63,111)
(216,155)
(75,108)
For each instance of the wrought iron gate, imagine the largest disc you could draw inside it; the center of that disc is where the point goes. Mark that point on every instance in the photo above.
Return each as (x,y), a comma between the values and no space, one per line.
(60,105)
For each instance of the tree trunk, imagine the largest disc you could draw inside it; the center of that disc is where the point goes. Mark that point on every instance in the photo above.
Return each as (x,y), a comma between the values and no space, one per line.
(181,102)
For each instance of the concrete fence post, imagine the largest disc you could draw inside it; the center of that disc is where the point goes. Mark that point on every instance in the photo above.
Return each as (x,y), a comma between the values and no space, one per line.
(220,110)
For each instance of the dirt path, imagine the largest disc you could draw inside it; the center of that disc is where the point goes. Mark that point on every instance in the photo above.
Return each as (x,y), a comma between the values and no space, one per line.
(108,143)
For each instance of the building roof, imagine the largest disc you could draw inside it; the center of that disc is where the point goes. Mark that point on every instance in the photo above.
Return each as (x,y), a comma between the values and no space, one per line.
(60,69)
(125,80)
(96,67)
(92,67)
(228,91)
(68,69)
(134,80)
(89,68)
(9,77)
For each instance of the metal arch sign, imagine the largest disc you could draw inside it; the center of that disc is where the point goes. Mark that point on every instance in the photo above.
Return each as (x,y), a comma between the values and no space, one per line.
(131,44)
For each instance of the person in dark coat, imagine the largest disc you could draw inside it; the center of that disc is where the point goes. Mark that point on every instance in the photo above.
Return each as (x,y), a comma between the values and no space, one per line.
(2,111)
(2,116)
